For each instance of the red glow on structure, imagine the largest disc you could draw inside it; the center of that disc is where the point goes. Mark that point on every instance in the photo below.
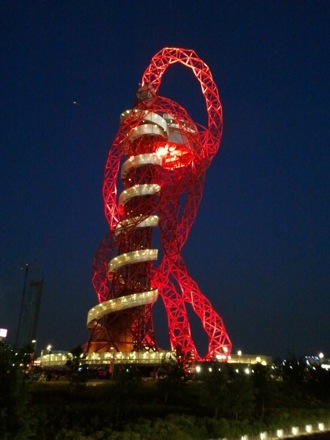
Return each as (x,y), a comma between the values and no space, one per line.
(157,156)
(174,155)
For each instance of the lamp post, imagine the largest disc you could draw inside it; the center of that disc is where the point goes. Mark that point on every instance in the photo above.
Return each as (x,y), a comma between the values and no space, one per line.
(32,354)
(49,349)
(321,357)
(19,329)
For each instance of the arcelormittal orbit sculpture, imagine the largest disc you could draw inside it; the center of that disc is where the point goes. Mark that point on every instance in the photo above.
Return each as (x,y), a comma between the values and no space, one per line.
(158,160)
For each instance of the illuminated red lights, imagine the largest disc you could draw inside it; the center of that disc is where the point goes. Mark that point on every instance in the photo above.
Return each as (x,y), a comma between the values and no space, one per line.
(158,156)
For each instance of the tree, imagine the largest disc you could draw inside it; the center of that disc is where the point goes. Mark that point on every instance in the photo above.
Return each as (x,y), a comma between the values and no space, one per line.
(240,399)
(171,379)
(15,421)
(77,365)
(293,375)
(126,387)
(319,382)
(216,388)
(263,390)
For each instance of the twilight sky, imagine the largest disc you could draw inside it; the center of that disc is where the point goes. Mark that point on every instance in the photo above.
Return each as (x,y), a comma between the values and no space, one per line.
(260,247)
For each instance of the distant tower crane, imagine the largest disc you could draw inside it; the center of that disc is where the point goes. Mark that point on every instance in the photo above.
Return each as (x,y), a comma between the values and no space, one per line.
(161,156)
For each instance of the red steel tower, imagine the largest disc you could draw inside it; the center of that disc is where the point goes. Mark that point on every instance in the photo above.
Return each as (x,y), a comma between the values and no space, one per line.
(153,179)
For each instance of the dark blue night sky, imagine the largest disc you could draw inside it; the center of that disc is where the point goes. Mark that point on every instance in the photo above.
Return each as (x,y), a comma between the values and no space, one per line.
(260,247)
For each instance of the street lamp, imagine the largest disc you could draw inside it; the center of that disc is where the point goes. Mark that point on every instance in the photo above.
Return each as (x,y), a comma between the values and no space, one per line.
(32,354)
(49,349)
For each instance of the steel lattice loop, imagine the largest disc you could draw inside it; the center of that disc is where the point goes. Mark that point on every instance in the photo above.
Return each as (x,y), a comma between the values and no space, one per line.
(159,157)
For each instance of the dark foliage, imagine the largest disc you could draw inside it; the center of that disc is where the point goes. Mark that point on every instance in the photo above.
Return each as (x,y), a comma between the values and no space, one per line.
(15,420)
(225,401)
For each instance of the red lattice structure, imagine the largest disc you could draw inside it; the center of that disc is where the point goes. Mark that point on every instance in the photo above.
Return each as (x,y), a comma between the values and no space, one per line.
(153,179)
